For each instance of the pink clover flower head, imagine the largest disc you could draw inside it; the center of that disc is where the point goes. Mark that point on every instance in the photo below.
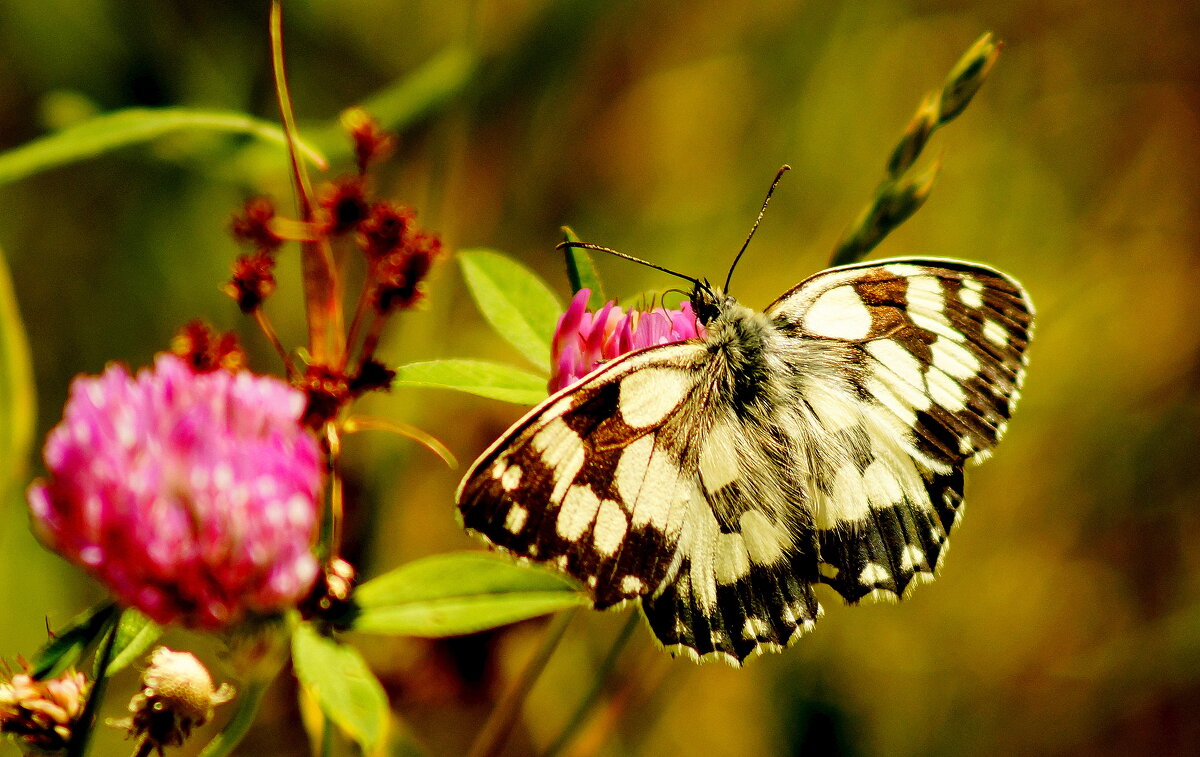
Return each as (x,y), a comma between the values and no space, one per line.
(193,496)
(584,340)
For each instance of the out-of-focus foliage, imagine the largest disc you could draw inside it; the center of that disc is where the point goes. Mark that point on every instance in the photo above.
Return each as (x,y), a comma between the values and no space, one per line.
(1066,619)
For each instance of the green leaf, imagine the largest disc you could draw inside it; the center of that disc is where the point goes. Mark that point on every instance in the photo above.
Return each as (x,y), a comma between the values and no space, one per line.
(135,634)
(515,300)
(479,377)
(338,678)
(16,390)
(121,128)
(460,593)
(69,643)
(581,272)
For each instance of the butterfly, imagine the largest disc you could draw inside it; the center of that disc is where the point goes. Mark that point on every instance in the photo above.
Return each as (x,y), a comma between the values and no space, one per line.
(718,481)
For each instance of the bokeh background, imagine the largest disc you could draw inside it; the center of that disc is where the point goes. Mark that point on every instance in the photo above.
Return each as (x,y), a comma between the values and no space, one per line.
(1066,619)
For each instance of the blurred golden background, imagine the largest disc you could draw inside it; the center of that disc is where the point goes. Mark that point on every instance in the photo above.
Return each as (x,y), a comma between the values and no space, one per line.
(1066,619)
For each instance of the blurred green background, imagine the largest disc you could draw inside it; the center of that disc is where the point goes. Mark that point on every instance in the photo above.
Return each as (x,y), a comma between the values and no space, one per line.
(1066,619)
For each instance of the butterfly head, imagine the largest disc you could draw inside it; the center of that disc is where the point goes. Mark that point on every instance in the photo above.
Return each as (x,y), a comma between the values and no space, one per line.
(708,301)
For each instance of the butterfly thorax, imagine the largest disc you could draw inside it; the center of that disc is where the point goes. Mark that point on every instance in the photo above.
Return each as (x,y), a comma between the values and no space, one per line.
(743,343)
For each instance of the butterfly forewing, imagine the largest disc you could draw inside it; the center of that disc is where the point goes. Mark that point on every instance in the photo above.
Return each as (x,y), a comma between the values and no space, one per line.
(594,479)
(819,442)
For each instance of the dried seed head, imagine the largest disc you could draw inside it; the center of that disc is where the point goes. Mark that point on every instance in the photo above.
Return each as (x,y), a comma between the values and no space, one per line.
(327,390)
(253,280)
(253,225)
(40,715)
(204,349)
(345,204)
(371,143)
(177,695)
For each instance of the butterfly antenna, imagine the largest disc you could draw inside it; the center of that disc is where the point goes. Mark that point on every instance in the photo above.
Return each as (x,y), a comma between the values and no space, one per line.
(784,169)
(610,251)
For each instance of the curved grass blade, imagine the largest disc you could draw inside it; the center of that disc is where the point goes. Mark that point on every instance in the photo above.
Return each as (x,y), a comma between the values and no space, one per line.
(121,128)
(17,400)
(69,643)
(581,271)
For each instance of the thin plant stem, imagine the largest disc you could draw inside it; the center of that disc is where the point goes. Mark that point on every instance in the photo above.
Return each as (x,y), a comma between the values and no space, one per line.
(87,720)
(269,332)
(322,290)
(577,719)
(360,310)
(336,494)
(503,717)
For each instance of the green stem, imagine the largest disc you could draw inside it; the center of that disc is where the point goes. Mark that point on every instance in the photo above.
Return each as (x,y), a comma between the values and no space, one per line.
(83,730)
(503,717)
(577,719)
(237,727)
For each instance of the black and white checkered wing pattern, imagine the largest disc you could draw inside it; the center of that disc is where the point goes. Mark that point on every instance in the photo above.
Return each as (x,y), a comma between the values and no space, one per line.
(720,480)
(935,354)
(595,480)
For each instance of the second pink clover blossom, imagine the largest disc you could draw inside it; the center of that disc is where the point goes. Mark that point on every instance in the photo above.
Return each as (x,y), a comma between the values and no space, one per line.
(584,340)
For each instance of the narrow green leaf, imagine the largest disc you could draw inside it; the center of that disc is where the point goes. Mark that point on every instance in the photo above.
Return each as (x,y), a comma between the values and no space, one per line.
(485,379)
(459,593)
(135,634)
(581,272)
(338,678)
(519,305)
(121,128)
(69,643)
(16,390)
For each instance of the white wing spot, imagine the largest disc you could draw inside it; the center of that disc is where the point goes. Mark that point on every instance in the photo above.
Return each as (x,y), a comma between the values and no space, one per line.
(632,585)
(649,395)
(874,574)
(953,358)
(995,333)
(511,478)
(514,521)
(755,627)
(562,452)
(912,557)
(633,468)
(883,487)
(847,500)
(732,560)
(765,541)
(904,270)
(719,457)
(971,293)
(611,526)
(577,513)
(898,360)
(947,392)
(889,399)
(838,313)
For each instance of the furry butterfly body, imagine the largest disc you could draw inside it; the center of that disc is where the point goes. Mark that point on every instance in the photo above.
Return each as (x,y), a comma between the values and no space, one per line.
(719,480)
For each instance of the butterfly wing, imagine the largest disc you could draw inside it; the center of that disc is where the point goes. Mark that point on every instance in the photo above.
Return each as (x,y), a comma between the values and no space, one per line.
(593,479)
(934,352)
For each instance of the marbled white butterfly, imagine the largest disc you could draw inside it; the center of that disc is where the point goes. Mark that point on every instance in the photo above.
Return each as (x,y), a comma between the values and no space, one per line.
(718,480)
